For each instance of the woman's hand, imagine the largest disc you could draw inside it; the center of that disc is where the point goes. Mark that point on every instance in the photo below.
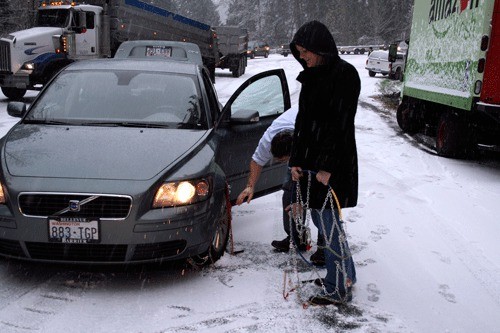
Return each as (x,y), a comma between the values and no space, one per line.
(296,173)
(323,177)
(295,211)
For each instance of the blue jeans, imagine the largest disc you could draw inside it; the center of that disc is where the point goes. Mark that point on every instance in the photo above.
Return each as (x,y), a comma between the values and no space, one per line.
(338,257)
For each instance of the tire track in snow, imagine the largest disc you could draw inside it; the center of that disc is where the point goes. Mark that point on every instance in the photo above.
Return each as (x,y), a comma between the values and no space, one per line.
(43,301)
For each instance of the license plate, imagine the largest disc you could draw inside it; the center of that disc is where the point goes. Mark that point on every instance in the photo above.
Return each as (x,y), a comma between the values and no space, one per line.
(158,51)
(73,230)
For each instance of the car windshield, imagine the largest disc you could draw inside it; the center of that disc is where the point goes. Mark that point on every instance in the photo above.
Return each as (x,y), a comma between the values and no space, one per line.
(121,97)
(53,18)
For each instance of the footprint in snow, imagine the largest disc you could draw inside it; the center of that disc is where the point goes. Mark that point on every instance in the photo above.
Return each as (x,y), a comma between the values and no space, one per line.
(373,292)
(377,234)
(444,290)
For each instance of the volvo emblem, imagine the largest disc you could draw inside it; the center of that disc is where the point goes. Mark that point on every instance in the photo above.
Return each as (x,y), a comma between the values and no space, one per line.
(74,205)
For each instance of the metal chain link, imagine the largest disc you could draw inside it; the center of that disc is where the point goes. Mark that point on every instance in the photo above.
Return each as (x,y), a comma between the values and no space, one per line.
(302,226)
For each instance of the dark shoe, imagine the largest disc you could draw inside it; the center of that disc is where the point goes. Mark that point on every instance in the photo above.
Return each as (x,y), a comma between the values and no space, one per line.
(318,258)
(282,245)
(331,299)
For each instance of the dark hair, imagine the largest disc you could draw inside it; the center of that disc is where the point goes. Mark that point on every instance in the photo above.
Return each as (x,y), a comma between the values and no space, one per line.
(281,144)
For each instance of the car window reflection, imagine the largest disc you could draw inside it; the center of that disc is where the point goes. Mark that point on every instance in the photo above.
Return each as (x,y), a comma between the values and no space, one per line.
(263,95)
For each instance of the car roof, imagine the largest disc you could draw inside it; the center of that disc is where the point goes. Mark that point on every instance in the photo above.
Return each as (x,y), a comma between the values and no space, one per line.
(141,64)
(179,51)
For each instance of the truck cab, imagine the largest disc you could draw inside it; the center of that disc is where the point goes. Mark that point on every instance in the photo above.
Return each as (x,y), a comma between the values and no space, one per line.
(63,31)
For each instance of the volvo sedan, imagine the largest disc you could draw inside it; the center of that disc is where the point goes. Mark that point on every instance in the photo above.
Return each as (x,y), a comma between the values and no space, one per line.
(130,161)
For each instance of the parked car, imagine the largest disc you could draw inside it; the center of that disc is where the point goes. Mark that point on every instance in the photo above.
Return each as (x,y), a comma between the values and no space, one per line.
(378,62)
(132,160)
(258,49)
(284,50)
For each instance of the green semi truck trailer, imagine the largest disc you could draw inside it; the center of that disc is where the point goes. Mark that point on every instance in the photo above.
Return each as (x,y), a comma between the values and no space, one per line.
(451,88)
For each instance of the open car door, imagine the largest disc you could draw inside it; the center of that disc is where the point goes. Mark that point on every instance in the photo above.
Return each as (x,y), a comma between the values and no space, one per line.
(244,119)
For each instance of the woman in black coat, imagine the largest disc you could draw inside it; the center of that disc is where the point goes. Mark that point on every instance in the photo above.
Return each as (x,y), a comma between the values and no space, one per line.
(324,143)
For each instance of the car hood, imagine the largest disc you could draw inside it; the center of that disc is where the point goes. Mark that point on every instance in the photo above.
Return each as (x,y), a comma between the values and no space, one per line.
(82,152)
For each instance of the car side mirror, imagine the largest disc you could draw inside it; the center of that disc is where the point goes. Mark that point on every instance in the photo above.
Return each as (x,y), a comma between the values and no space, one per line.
(16,109)
(245,117)
(393,52)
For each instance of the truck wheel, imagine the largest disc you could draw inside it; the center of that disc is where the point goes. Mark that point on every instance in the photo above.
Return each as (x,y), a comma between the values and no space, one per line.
(236,72)
(453,136)
(405,116)
(13,93)
(399,74)
(266,55)
(371,73)
(396,75)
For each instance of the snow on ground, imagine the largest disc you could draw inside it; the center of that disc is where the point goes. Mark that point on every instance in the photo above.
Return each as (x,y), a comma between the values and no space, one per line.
(424,238)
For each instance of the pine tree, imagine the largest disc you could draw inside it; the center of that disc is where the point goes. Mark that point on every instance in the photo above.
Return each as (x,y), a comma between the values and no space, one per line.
(244,14)
(202,10)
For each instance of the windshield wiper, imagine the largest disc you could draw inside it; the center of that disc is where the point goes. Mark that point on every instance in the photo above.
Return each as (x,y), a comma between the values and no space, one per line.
(46,122)
(125,124)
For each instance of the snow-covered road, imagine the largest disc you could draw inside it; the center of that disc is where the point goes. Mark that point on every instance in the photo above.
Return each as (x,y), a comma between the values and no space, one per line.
(424,237)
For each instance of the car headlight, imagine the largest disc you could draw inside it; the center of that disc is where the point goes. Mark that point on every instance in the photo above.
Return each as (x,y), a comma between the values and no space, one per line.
(182,193)
(2,195)
(29,66)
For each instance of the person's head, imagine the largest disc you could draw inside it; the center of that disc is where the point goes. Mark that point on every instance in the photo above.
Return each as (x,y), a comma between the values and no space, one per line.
(311,59)
(281,145)
(313,45)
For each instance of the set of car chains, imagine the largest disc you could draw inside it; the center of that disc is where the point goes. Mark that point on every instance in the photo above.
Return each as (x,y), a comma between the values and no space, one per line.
(304,232)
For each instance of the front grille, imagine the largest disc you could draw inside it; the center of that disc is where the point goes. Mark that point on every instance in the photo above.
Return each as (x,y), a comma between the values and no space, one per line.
(158,250)
(11,248)
(103,206)
(5,57)
(77,252)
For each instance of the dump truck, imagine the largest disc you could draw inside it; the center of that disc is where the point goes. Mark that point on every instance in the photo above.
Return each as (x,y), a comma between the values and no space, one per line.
(67,31)
(451,89)
(232,44)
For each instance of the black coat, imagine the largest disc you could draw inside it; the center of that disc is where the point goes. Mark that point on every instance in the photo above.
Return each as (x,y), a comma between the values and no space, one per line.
(324,137)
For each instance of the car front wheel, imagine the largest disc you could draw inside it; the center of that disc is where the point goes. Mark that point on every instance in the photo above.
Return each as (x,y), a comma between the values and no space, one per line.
(220,236)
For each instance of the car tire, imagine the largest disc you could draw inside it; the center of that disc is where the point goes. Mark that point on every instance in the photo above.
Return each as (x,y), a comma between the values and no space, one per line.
(266,55)
(371,73)
(406,119)
(398,75)
(220,236)
(13,93)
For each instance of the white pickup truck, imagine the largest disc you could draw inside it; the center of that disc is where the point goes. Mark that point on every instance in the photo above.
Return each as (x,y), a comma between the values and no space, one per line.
(378,62)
